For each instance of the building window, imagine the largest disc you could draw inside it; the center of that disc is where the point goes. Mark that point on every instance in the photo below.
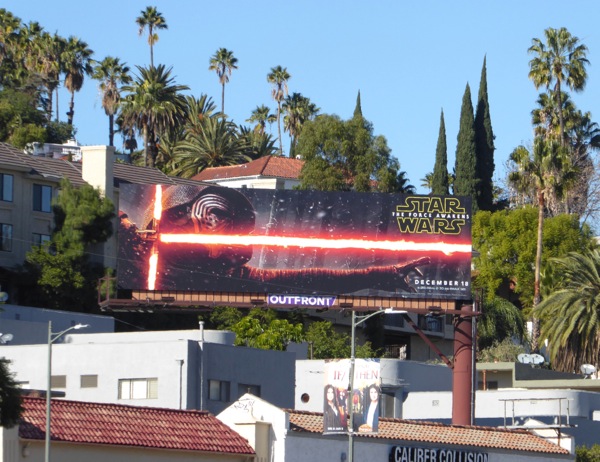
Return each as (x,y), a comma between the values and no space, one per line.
(138,388)
(39,239)
(218,390)
(42,198)
(6,232)
(387,404)
(89,381)
(6,187)
(58,381)
(252,389)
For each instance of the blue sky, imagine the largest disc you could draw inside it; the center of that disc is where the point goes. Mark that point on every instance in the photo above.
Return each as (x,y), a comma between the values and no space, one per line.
(409,60)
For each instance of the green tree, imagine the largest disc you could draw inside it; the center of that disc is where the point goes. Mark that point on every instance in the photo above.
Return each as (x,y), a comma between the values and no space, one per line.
(261,116)
(264,330)
(484,146)
(257,144)
(585,454)
(562,59)
(439,180)
(506,246)
(77,63)
(278,78)
(358,107)
(10,397)
(111,74)
(152,19)
(344,155)
(570,316)
(326,343)
(61,270)
(152,105)
(465,170)
(504,351)
(223,62)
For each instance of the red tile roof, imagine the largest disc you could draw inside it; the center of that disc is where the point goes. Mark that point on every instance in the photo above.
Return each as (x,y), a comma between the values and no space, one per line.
(269,166)
(118,425)
(429,432)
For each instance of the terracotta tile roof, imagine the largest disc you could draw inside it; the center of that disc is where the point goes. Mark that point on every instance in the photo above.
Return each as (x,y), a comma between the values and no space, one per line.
(429,432)
(61,168)
(118,425)
(269,166)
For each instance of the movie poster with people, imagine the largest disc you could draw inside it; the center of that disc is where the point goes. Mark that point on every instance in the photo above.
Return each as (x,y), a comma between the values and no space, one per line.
(365,395)
(217,239)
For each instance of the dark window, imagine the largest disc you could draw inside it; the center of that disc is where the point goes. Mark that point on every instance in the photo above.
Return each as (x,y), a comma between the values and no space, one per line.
(89,381)
(42,198)
(39,239)
(58,381)
(6,187)
(252,389)
(218,390)
(6,232)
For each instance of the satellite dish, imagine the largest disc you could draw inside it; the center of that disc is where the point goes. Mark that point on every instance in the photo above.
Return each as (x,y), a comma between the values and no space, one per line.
(5,338)
(537,359)
(587,369)
(3,297)
(524,358)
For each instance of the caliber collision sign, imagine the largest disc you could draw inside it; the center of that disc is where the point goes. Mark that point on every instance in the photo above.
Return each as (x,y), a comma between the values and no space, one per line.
(294,243)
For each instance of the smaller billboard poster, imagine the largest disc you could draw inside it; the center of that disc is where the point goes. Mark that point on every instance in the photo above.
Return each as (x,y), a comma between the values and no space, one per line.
(365,396)
(335,396)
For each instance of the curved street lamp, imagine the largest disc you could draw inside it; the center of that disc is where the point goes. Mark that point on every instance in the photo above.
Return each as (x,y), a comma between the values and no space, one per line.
(53,337)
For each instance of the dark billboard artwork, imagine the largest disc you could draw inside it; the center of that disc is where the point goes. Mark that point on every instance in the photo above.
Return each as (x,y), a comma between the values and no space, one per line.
(278,242)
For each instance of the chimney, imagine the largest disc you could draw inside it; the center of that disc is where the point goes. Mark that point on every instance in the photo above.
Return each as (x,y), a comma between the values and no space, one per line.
(97,168)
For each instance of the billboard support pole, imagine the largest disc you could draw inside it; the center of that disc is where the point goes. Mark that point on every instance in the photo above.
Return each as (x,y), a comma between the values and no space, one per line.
(462,374)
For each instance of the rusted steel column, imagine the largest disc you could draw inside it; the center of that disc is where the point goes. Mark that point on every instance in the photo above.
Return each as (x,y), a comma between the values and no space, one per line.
(462,374)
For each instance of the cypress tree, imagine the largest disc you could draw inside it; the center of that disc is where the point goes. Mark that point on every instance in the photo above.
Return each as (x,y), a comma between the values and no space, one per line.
(358,108)
(439,182)
(465,183)
(484,146)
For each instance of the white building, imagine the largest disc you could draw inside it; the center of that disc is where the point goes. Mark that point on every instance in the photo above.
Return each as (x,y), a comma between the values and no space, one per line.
(284,435)
(191,369)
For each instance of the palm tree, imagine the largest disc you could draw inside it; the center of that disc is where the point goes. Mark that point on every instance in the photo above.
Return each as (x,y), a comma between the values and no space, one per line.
(9,26)
(258,144)
(216,145)
(223,62)
(48,53)
(298,110)
(278,77)
(548,172)
(111,73)
(562,59)
(427,180)
(261,116)
(153,20)
(500,320)
(570,316)
(153,104)
(77,63)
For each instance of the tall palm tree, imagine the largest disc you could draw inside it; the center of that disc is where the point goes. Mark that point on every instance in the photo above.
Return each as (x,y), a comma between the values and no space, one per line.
(261,116)
(217,145)
(77,63)
(561,59)
(152,19)
(548,172)
(278,77)
(223,62)
(9,26)
(48,53)
(112,74)
(298,110)
(570,316)
(152,104)
(500,320)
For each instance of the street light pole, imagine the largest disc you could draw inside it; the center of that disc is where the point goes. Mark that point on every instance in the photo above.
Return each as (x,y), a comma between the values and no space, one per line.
(356,321)
(53,337)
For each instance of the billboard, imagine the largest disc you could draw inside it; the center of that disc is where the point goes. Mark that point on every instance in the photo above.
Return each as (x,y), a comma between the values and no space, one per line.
(365,396)
(294,245)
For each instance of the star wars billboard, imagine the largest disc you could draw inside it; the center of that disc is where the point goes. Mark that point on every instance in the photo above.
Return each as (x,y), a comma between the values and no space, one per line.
(301,245)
